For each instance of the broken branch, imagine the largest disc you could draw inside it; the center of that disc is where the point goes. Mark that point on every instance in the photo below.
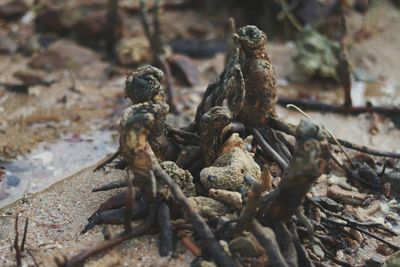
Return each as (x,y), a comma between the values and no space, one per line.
(267,149)
(140,229)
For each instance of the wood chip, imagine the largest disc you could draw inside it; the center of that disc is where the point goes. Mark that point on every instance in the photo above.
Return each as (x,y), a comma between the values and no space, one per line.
(345,196)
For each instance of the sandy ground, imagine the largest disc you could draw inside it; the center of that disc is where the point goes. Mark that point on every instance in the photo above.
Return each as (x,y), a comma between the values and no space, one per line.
(58,214)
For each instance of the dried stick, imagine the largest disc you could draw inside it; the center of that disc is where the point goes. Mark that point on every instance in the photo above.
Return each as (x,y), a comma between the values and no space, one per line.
(189,244)
(157,34)
(105,162)
(116,216)
(271,135)
(33,258)
(210,243)
(267,149)
(110,185)
(140,229)
(129,202)
(352,222)
(24,236)
(391,245)
(183,134)
(365,149)
(323,107)
(16,245)
(267,239)
(344,224)
(302,255)
(334,258)
(116,201)
(249,211)
(286,243)
(171,96)
(290,130)
(157,47)
(111,27)
(145,22)
(166,244)
(287,12)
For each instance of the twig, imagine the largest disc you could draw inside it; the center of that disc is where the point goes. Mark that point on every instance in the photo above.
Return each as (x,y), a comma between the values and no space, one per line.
(210,243)
(232,25)
(145,21)
(344,68)
(344,224)
(323,107)
(391,245)
(110,185)
(117,216)
(336,260)
(189,244)
(183,134)
(24,236)
(16,245)
(290,130)
(366,149)
(105,162)
(271,135)
(129,202)
(166,244)
(267,149)
(33,258)
(285,243)
(111,27)
(140,229)
(267,239)
(290,16)
(158,43)
(327,131)
(157,47)
(166,5)
(249,211)
(303,258)
(114,202)
(350,221)
(171,96)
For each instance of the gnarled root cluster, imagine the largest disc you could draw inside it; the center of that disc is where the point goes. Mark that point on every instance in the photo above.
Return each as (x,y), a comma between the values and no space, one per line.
(231,211)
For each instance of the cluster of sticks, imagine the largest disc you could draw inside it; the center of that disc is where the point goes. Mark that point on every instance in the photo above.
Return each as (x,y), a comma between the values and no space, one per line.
(19,249)
(274,218)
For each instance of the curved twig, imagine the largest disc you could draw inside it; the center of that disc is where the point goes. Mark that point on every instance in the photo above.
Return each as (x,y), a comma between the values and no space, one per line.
(267,239)
(267,149)
(140,229)
(290,130)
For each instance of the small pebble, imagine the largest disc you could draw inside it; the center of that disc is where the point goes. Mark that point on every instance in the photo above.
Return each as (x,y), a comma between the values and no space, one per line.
(12,180)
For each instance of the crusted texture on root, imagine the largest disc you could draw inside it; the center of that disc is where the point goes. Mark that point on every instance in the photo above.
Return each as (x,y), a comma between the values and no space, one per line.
(213,124)
(208,207)
(259,76)
(182,177)
(229,170)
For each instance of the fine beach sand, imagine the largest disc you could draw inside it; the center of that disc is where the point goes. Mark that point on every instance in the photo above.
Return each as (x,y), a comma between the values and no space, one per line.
(57,215)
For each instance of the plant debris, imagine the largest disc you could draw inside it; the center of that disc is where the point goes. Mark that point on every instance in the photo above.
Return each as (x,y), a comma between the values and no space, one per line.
(229,197)
(218,177)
